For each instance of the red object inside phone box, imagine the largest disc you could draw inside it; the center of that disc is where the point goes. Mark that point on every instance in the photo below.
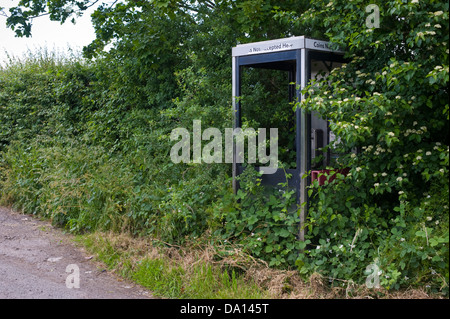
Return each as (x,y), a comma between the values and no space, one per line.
(325,174)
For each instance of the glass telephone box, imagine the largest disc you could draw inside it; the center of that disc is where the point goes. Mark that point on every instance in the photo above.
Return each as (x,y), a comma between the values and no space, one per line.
(267,80)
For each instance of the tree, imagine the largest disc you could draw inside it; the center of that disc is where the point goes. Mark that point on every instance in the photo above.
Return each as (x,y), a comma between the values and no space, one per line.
(391,103)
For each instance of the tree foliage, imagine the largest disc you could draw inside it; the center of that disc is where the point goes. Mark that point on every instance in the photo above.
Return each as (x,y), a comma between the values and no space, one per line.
(71,130)
(390,102)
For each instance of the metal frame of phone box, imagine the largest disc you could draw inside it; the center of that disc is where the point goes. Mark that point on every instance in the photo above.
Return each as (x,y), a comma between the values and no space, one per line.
(293,55)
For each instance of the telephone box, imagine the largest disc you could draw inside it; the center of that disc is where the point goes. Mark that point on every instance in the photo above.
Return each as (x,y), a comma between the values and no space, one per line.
(267,80)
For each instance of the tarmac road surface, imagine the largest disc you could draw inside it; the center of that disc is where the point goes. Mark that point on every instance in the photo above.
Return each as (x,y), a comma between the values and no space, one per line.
(38,261)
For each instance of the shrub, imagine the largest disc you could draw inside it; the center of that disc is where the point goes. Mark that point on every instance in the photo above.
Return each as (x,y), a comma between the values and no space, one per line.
(390,104)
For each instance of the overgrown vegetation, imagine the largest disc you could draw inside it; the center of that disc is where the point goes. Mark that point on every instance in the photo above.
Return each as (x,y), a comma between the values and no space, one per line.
(86,142)
(205,268)
(390,102)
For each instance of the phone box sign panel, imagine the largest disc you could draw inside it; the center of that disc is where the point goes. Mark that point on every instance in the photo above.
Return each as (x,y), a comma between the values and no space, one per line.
(278,45)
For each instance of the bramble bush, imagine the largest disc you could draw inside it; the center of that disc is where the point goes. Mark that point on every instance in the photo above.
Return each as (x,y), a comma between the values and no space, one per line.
(264,221)
(390,102)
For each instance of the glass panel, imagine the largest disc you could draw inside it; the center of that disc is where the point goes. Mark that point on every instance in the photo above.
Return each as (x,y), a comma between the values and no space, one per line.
(266,97)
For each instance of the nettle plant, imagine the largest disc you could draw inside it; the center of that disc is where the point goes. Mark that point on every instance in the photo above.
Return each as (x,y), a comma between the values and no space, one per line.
(390,103)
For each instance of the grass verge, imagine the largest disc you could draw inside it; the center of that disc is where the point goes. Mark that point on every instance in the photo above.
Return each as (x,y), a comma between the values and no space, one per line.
(202,270)
(168,271)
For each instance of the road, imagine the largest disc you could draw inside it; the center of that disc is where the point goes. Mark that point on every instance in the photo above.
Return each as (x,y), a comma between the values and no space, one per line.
(38,261)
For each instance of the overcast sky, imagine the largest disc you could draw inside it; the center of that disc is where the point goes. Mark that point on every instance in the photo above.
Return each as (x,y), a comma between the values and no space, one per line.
(47,33)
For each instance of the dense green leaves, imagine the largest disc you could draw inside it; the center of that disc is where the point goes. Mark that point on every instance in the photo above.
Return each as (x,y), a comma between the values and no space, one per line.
(389,102)
(87,143)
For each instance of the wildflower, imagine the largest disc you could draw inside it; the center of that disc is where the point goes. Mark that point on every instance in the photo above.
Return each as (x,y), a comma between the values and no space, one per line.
(418,158)
(375,174)
(358,169)
(438,13)
(318,247)
(392,134)
(441,170)
(259,238)
(399,179)
(428,153)
(429,218)
(437,26)
(402,239)
(437,222)
(376,184)
(383,174)
(401,192)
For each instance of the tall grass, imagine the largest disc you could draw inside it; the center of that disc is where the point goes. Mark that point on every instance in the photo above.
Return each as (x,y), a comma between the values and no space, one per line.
(41,57)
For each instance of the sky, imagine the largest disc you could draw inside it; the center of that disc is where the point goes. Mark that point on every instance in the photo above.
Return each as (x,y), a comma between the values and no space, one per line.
(45,33)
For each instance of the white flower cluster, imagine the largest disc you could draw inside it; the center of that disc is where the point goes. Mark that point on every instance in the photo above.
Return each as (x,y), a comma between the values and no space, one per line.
(358,58)
(360,74)
(422,130)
